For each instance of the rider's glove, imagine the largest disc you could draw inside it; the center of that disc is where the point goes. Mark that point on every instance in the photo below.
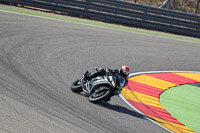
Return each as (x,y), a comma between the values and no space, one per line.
(126,82)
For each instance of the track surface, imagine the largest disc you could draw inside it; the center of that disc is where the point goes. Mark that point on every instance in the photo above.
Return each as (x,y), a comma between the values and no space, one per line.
(40,58)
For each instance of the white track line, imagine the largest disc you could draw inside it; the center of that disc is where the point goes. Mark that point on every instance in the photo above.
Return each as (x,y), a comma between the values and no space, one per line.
(98,26)
(148,72)
(131,75)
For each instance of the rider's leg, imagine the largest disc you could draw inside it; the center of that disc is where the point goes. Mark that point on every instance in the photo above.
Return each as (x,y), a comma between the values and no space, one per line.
(88,76)
(93,75)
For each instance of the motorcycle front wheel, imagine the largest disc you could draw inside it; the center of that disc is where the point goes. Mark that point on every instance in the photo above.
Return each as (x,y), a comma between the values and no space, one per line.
(99,96)
(76,86)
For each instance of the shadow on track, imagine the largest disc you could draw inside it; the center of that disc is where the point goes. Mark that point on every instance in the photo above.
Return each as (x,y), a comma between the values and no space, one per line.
(121,109)
(118,108)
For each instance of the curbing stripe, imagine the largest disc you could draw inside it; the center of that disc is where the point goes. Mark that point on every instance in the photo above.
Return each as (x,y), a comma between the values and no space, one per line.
(150,72)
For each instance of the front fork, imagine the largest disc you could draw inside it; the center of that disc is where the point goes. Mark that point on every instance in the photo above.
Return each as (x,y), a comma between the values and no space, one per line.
(84,89)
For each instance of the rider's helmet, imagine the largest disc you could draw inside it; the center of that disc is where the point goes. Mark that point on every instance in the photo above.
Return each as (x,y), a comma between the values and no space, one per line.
(124,71)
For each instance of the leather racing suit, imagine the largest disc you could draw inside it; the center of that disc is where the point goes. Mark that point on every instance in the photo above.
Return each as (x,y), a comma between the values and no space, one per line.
(102,72)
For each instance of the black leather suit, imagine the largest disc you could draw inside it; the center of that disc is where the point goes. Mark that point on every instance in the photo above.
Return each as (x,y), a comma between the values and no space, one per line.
(103,71)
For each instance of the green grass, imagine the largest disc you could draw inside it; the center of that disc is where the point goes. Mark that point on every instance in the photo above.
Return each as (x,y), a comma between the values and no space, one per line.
(183,103)
(95,23)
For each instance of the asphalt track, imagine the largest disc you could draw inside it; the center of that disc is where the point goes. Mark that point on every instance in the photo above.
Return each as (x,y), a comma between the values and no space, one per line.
(40,58)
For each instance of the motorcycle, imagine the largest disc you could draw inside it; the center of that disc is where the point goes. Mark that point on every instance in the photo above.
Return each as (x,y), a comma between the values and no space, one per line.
(99,88)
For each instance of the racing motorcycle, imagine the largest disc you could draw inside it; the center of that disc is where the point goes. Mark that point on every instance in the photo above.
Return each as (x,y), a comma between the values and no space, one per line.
(99,88)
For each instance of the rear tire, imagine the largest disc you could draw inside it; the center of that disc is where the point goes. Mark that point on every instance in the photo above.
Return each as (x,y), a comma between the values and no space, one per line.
(105,95)
(76,86)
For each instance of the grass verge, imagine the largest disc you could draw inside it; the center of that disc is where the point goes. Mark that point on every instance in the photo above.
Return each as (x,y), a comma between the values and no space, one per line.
(182,103)
(96,23)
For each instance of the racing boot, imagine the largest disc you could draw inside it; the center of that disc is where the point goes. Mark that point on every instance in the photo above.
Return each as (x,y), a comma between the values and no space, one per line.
(86,76)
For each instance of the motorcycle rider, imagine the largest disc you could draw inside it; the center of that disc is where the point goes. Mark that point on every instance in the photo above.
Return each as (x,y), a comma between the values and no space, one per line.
(123,71)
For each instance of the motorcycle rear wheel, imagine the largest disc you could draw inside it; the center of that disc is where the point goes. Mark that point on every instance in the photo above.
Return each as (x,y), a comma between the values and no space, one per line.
(76,86)
(105,95)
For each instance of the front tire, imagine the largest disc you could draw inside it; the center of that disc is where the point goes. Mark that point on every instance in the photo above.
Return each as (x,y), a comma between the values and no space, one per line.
(105,95)
(76,86)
